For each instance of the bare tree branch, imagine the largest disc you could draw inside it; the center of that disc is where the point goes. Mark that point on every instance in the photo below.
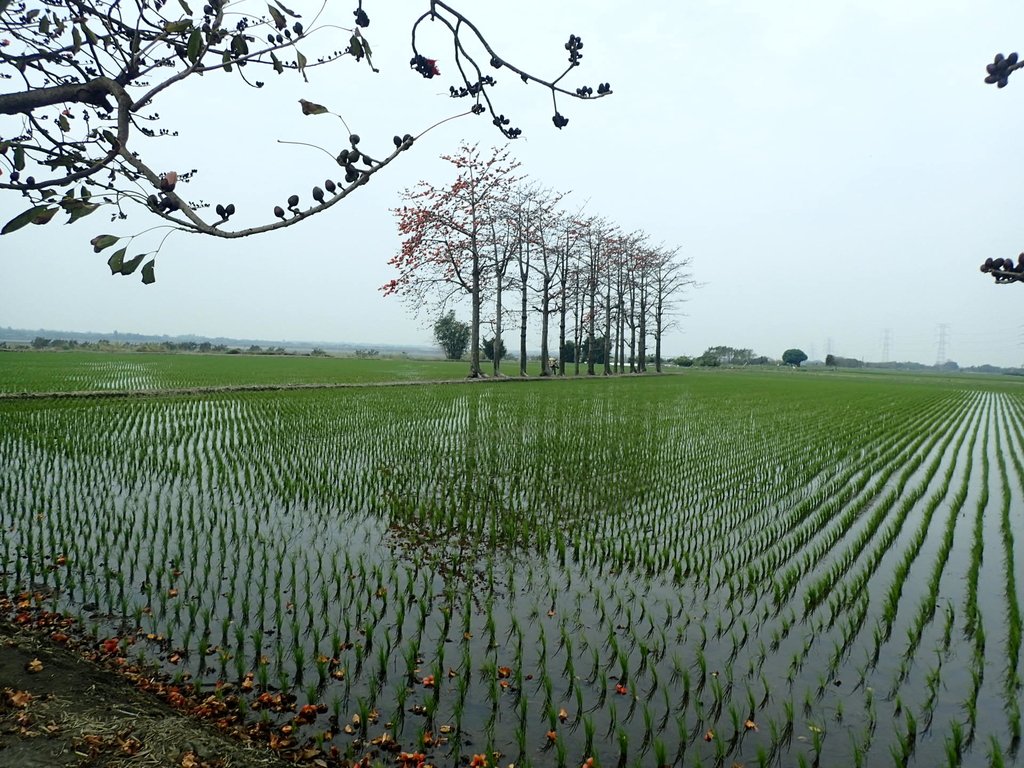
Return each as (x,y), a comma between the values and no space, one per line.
(88,68)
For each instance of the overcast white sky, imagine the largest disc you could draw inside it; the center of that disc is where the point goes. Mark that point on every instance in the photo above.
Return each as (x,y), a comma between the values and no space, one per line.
(836,170)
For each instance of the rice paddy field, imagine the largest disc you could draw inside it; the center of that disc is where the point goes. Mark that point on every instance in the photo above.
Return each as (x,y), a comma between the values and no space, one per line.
(111,372)
(710,569)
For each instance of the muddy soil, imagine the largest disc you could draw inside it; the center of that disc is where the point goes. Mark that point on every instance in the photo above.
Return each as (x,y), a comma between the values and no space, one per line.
(59,710)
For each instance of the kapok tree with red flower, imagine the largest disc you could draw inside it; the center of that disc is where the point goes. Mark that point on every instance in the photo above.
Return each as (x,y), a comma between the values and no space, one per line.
(446,233)
(82,81)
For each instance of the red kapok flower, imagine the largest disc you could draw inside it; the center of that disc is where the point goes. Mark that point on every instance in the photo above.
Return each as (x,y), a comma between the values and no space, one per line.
(423,65)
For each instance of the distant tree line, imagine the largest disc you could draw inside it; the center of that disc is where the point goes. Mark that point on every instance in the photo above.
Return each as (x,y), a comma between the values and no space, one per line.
(835,361)
(713,357)
(103,345)
(519,257)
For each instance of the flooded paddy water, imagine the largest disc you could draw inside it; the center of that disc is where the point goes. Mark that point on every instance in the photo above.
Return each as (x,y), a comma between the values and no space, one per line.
(759,569)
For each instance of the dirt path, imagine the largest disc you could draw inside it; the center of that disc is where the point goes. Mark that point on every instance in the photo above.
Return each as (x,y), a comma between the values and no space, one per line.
(74,713)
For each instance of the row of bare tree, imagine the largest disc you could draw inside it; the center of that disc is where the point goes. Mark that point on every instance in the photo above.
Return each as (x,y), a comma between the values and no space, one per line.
(494,237)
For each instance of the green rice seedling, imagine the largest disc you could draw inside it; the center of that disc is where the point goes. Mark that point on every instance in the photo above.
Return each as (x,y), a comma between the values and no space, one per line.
(382,664)
(521,742)
(702,668)
(623,658)
(240,666)
(655,681)
(488,729)
(364,709)
(751,703)
(954,744)
(595,668)
(900,751)
(645,652)
(368,635)
(734,719)
(995,753)
(588,734)
(660,754)
(682,739)
(312,692)
(677,669)
(717,695)
(787,706)
(632,699)
(282,679)
(721,748)
(256,640)
(1013,718)
(765,692)
(458,710)
(322,669)
(359,652)
(648,728)
(775,734)
(613,719)
(817,741)
(374,685)
(932,680)
(552,719)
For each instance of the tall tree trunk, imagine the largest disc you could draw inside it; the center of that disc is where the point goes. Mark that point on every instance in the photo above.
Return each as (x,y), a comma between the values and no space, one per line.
(563,307)
(642,331)
(545,311)
(607,368)
(496,342)
(620,349)
(577,330)
(621,334)
(590,325)
(524,276)
(561,335)
(474,342)
(641,353)
(632,328)
(658,306)
(577,351)
(657,340)
(522,332)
